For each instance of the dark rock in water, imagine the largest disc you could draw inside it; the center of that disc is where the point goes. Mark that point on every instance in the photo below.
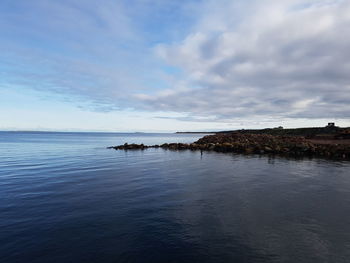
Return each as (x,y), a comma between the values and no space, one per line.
(267,149)
(253,144)
(127,146)
(249,150)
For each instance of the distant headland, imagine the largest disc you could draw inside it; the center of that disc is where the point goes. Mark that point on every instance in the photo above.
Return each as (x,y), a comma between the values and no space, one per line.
(330,130)
(189,132)
(329,142)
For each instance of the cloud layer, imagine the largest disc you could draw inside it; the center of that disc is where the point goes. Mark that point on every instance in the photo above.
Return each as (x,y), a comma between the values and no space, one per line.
(100,52)
(207,60)
(287,59)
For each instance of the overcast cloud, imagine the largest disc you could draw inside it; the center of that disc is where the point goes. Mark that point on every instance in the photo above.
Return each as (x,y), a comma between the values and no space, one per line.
(288,59)
(207,60)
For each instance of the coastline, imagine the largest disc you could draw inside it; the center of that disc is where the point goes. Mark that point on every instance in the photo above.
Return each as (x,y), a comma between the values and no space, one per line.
(258,144)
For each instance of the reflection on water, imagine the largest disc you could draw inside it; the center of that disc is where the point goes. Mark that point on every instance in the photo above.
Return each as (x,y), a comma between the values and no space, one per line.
(65,198)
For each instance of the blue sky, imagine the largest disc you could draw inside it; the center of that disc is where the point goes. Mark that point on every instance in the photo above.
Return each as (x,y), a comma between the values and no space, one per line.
(166,65)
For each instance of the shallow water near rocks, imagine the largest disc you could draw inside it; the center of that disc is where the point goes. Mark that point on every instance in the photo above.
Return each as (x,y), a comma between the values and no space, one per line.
(65,198)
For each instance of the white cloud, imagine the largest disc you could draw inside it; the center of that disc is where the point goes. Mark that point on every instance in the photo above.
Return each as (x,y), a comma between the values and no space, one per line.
(286,59)
(95,51)
(238,59)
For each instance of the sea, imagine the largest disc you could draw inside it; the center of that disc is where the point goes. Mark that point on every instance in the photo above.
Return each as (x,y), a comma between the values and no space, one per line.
(64,197)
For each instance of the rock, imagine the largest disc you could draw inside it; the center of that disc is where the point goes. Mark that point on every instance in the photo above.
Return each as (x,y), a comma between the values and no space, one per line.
(252,143)
(267,149)
(249,150)
(211,146)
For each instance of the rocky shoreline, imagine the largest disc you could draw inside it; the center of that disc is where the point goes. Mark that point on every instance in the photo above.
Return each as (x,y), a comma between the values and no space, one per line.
(254,144)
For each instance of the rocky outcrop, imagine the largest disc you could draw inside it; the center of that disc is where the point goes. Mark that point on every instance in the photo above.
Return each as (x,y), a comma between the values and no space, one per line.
(253,144)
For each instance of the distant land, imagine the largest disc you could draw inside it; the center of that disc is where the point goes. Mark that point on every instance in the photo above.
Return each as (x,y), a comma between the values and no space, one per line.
(326,142)
(196,132)
(328,131)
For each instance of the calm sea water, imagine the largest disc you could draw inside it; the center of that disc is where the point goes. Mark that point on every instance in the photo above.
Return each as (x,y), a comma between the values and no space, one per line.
(65,198)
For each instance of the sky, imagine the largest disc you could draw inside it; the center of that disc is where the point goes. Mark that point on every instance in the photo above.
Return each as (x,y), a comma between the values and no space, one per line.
(173,65)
